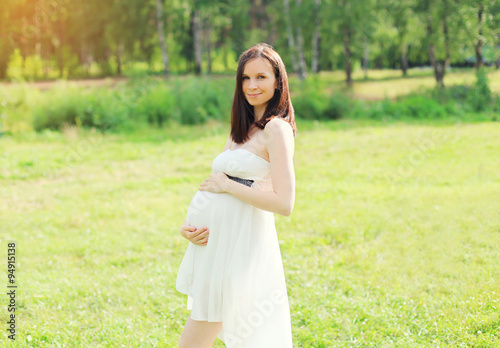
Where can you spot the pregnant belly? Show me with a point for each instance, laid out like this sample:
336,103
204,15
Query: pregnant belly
208,206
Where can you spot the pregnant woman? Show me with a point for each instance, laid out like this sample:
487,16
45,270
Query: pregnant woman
232,270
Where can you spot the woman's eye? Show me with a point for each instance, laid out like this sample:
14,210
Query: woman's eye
258,77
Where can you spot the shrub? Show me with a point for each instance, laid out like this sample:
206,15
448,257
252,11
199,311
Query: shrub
107,109
101,108
157,106
413,106
60,106
200,99
479,97
338,106
312,102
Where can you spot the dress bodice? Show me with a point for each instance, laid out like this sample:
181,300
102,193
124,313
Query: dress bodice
244,164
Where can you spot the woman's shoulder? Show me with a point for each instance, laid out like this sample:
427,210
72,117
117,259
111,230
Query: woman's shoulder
279,125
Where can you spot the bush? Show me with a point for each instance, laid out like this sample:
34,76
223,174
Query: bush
148,101
338,106
200,99
60,106
479,97
158,106
101,108
107,109
415,106
315,103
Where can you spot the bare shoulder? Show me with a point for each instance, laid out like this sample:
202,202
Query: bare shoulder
279,127
279,136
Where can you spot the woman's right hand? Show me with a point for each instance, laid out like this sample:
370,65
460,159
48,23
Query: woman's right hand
194,235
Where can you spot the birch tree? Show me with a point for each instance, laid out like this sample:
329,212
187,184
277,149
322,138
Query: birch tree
161,36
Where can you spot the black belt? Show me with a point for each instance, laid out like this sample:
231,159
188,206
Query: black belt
246,182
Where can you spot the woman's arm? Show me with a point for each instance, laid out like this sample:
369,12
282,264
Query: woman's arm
280,145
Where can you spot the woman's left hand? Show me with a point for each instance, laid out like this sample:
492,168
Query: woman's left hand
216,183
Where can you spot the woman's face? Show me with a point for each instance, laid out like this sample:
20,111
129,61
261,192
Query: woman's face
259,82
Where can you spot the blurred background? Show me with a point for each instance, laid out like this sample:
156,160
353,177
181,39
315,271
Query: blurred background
47,39
367,48
370,49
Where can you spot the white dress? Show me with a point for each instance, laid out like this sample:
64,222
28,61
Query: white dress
238,277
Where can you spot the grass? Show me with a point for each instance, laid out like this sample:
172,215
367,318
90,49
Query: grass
389,83
393,241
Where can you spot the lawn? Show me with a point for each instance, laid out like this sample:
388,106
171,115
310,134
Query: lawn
389,83
394,240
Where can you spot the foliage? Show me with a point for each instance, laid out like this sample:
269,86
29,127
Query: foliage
49,40
314,102
103,109
415,106
157,106
479,97
185,101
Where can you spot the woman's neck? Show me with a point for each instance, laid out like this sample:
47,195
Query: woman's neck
258,112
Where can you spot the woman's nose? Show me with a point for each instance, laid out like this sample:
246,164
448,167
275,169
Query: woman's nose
252,84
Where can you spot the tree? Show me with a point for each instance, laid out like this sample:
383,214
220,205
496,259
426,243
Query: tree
161,36
400,13
316,37
436,15
353,19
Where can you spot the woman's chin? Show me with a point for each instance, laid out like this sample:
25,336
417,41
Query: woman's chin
254,103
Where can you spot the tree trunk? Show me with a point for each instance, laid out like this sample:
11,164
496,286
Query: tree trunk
38,44
4,58
208,43
438,68
291,40
479,44
119,53
316,35
404,50
300,48
366,56
161,36
60,44
225,56
347,53
198,45
404,60
271,37
446,35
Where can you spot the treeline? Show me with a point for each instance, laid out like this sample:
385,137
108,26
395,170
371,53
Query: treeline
69,38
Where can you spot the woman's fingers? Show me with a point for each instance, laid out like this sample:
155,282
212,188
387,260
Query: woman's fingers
203,233
196,236
200,236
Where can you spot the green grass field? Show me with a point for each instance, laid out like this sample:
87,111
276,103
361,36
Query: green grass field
394,240
389,83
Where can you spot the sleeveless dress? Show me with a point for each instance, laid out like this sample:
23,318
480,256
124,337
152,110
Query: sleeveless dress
238,277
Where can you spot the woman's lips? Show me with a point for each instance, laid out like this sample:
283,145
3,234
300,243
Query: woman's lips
254,95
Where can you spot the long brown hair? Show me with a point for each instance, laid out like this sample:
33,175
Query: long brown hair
280,105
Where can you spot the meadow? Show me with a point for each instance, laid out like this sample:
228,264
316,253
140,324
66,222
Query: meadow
394,240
